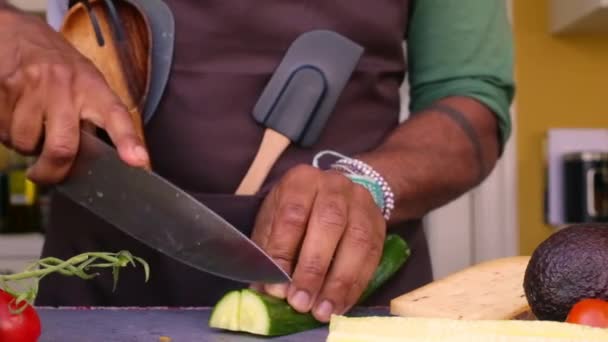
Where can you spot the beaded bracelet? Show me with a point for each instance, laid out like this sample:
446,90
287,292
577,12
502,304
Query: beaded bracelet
363,174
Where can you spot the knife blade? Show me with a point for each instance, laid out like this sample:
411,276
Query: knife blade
159,214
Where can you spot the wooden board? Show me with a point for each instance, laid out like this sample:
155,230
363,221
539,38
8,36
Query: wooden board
489,290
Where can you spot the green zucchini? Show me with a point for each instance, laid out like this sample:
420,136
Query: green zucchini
260,314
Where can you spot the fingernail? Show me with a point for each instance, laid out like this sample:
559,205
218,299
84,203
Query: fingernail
140,153
324,311
300,301
277,290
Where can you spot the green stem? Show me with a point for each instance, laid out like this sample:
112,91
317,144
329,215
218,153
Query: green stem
66,272
77,266
42,272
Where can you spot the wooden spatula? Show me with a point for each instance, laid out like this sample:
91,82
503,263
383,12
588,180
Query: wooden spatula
116,37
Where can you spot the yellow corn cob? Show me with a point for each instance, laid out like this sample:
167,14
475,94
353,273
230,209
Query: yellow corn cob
402,329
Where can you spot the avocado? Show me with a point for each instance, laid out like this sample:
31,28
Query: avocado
572,264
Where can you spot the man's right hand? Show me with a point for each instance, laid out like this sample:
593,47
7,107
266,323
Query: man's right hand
47,90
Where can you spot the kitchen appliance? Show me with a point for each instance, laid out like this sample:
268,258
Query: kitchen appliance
586,186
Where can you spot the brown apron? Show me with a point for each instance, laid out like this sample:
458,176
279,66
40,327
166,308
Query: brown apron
203,137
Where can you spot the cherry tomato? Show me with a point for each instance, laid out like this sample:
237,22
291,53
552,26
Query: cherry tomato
20,327
592,312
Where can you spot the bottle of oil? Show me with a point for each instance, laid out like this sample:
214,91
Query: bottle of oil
23,211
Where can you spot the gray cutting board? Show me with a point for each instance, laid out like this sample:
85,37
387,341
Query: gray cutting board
148,325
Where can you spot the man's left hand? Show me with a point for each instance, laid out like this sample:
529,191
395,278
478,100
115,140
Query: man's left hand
328,233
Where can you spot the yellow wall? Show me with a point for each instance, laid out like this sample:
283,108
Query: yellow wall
563,82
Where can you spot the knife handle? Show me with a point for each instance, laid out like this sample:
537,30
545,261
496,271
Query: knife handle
272,146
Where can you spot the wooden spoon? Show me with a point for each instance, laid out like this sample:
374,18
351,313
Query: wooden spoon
124,55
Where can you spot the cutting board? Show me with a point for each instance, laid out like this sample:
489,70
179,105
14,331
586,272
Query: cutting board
149,325
489,290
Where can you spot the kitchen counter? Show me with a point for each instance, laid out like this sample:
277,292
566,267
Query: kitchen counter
150,325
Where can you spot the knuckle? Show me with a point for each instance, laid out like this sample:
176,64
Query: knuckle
282,255
293,214
86,80
342,283
361,235
88,77
116,112
13,81
333,215
108,116
62,151
22,142
61,71
313,267
33,71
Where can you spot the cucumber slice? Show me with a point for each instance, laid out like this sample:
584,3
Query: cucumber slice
254,317
264,315
260,314
226,312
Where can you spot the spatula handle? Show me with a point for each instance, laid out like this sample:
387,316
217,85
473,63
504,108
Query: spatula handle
272,146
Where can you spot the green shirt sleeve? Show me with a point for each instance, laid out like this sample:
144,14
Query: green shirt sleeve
462,48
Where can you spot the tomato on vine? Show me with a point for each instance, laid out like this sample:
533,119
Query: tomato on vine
19,321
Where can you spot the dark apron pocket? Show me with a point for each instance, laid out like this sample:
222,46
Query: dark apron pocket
240,211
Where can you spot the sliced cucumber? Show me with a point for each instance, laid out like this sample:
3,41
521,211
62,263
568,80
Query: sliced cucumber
226,312
264,315
253,314
260,314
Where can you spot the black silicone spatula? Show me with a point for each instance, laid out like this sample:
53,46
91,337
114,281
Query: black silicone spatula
300,97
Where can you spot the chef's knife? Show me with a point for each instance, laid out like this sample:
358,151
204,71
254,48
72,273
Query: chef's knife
162,216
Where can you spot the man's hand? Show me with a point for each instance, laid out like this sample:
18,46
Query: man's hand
328,233
47,88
